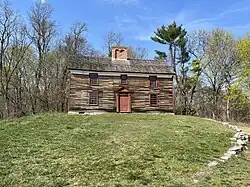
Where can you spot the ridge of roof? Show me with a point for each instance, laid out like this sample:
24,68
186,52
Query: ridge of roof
130,65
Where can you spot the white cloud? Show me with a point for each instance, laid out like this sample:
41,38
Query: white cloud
143,37
42,1
142,26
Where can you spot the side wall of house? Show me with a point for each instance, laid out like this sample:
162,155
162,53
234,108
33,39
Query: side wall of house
107,87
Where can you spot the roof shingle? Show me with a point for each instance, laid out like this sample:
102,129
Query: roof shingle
131,65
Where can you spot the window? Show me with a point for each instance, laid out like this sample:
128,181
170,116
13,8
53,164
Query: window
93,79
124,79
152,82
93,98
153,99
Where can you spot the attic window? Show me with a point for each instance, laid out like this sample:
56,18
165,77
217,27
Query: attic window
93,79
124,79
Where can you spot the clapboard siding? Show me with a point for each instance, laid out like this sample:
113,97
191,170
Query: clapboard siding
107,87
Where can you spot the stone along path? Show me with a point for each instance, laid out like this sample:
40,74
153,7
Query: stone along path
239,144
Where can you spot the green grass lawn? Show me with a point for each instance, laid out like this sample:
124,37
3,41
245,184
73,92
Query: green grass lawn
111,150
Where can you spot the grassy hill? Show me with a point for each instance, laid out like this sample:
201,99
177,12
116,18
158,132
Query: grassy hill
112,150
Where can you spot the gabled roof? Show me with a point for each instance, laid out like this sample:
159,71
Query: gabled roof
131,65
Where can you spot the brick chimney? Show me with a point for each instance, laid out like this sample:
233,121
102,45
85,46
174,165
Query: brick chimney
119,53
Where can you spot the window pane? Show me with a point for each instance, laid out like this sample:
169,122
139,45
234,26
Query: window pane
153,78
93,81
93,98
124,79
153,100
152,84
93,78
93,75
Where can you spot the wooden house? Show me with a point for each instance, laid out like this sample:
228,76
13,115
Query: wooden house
120,84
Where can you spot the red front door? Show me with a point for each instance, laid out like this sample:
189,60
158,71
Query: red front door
124,102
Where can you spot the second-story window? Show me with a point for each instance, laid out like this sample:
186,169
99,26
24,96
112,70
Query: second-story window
124,79
152,82
93,79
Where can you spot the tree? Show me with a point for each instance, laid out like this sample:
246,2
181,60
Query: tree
243,72
13,47
43,31
221,59
175,37
110,40
184,84
137,52
239,92
197,44
171,36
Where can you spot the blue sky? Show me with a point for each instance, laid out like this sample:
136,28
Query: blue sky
137,19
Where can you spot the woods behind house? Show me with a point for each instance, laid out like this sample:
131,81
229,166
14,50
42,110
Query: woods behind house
212,68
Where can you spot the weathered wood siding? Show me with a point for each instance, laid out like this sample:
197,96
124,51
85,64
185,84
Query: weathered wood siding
108,85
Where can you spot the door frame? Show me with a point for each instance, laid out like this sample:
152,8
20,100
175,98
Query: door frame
121,91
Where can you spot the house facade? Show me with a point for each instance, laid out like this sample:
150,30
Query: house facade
120,84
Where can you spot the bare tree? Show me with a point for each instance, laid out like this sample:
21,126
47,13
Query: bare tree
221,60
13,37
112,39
197,44
43,31
138,53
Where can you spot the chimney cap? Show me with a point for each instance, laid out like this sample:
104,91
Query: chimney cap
120,47
120,53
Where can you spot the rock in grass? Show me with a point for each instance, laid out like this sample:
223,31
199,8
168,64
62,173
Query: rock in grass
237,135
231,152
225,123
241,142
236,148
213,164
225,157
233,139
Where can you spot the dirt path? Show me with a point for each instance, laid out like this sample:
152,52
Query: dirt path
246,130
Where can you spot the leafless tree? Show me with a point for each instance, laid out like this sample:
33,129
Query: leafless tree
221,59
112,39
43,30
13,37
197,43
138,52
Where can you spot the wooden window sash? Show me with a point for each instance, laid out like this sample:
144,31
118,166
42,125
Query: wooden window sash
124,79
153,100
151,80
94,98
93,79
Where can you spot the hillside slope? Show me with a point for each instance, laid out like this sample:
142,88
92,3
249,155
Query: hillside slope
107,150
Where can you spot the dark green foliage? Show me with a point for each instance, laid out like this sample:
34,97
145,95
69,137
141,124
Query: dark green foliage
161,55
167,35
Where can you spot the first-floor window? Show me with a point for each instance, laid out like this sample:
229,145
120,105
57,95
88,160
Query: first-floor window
93,98
153,99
